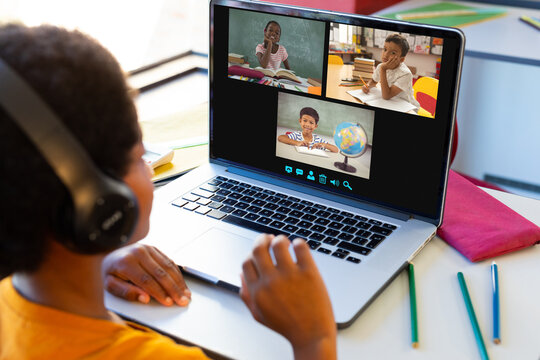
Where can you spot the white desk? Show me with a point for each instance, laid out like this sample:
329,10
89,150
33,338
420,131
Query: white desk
497,109
217,319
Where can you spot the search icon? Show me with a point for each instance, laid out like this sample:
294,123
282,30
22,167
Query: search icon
346,184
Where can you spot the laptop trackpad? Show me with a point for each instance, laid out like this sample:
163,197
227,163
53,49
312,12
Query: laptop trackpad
217,256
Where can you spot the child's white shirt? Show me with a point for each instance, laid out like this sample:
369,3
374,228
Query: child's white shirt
400,77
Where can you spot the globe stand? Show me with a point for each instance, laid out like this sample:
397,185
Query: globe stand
360,137
345,165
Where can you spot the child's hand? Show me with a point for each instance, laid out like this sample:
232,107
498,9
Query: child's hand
365,89
391,64
290,297
302,143
138,272
269,41
319,146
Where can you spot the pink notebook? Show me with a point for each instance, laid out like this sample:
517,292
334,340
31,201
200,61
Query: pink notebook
479,226
242,71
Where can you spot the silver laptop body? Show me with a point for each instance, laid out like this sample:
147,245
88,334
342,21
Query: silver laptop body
187,224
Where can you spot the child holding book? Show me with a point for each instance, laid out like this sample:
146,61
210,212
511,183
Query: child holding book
51,297
392,73
309,121
270,53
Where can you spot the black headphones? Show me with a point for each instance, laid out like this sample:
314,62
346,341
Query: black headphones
105,209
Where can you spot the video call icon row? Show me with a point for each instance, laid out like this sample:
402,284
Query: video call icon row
322,178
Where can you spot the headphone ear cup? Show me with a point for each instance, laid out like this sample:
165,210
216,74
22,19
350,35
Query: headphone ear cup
103,225
65,221
108,220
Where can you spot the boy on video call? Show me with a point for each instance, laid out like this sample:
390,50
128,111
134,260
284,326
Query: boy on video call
394,76
51,291
309,120
270,53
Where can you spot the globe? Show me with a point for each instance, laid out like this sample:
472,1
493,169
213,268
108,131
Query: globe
351,139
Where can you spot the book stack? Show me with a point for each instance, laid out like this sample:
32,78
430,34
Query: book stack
236,58
363,68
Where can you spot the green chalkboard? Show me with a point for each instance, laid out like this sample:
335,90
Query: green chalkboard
330,114
303,40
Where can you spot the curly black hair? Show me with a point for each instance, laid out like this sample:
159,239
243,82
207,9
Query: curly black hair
400,41
85,86
272,22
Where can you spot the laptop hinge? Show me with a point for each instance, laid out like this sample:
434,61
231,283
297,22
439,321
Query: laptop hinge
274,180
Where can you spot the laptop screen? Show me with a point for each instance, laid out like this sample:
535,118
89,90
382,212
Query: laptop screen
357,106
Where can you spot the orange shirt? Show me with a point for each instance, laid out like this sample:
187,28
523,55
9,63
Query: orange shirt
32,331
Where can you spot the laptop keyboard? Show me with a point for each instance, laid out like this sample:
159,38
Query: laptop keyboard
327,230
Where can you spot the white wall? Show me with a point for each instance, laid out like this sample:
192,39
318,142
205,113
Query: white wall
499,120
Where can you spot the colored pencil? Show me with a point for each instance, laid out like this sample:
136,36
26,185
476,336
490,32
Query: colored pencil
412,297
297,88
445,13
534,22
350,85
496,310
472,317
363,82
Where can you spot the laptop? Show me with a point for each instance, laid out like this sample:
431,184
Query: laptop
369,206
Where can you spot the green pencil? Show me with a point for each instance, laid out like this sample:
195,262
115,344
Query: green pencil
472,317
414,317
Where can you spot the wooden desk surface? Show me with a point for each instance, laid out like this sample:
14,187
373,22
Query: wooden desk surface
335,74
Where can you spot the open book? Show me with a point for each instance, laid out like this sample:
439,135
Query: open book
374,98
280,73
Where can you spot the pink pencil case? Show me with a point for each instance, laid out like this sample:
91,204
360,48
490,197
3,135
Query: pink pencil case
479,226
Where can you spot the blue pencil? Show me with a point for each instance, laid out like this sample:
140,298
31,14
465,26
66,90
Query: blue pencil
496,308
472,317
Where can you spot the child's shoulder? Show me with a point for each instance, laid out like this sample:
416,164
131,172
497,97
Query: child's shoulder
402,68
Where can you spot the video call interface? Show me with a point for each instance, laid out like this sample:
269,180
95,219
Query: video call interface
340,107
